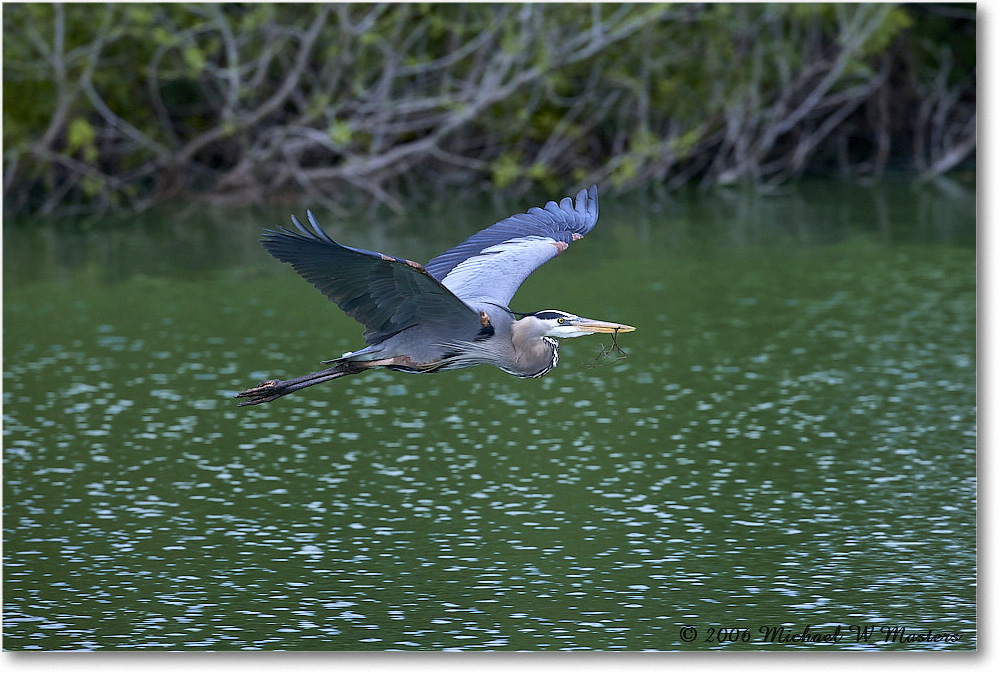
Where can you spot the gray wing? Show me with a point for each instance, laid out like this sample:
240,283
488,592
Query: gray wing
492,264
385,294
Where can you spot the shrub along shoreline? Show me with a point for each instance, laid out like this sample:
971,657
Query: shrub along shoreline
117,107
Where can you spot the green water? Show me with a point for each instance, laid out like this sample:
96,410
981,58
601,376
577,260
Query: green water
788,449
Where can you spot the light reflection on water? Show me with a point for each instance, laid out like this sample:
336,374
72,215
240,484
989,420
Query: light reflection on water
790,443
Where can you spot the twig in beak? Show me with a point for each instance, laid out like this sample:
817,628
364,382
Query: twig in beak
605,351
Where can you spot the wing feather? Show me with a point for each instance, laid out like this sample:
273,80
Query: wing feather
492,264
385,294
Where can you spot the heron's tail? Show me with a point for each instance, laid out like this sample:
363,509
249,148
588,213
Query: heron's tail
269,390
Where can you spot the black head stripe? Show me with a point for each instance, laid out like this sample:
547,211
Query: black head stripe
551,314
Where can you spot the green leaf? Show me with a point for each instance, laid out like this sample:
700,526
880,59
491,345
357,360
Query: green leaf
80,136
506,169
92,186
340,132
195,59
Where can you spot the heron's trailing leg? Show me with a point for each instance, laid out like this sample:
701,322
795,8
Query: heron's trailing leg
269,390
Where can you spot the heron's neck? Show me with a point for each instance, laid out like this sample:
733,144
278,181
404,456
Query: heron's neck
536,354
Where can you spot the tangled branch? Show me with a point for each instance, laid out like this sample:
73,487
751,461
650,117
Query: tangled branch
379,104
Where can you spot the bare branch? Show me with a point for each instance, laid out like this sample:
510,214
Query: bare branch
249,119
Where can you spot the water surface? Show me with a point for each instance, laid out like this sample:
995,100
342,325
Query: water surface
789,448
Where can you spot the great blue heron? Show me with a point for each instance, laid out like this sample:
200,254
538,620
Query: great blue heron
451,313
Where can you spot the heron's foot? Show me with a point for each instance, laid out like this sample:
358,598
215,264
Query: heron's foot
266,391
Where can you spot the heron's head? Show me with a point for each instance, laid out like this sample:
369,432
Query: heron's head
559,324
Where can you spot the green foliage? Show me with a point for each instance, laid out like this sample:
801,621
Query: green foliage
625,170
506,169
340,132
896,21
92,186
80,136
157,98
682,144
545,176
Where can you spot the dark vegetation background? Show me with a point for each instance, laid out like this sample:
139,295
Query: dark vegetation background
117,107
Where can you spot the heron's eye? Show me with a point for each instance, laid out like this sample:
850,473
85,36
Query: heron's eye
562,320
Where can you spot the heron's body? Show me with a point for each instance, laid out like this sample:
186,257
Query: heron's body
450,314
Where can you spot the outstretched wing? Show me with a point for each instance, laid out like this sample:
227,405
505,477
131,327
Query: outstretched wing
492,264
385,294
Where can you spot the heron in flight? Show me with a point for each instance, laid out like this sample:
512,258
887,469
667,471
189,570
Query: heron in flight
451,313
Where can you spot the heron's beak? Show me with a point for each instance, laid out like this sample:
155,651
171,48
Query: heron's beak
595,326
